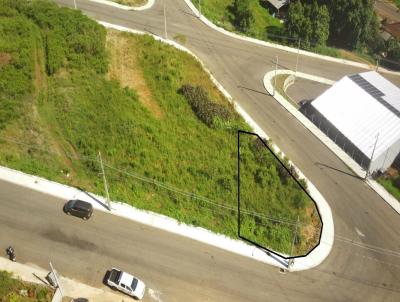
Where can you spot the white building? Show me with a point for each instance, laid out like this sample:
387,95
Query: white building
361,113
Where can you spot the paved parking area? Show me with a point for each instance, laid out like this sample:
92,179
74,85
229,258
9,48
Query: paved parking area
303,89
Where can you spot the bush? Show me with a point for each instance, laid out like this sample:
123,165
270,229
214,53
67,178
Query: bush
206,110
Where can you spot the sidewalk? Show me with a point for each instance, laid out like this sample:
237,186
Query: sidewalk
354,166
173,226
148,5
70,287
282,47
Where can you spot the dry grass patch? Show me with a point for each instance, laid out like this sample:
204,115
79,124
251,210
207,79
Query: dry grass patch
5,58
124,67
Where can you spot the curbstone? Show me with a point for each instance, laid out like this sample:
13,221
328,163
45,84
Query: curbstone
282,47
343,156
148,5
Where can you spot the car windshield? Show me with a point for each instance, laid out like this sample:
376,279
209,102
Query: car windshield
134,283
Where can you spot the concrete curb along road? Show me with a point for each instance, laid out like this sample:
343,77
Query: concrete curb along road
172,225
148,5
393,202
70,287
327,236
282,47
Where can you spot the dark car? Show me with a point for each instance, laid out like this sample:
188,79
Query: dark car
78,208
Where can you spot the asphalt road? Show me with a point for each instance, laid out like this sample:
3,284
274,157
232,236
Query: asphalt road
388,10
368,270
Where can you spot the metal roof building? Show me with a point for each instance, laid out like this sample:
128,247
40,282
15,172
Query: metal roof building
363,110
278,3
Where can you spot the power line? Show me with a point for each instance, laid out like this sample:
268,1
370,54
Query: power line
158,183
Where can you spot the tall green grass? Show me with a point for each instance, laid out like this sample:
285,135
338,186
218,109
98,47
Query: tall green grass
74,112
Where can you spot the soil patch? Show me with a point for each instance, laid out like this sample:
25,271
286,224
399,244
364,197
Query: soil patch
5,58
124,67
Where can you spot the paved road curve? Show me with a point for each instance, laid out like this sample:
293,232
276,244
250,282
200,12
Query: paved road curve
185,270
388,10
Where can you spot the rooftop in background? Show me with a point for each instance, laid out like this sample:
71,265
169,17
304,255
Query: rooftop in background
361,106
393,29
278,3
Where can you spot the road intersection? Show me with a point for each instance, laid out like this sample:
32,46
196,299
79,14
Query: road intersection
359,268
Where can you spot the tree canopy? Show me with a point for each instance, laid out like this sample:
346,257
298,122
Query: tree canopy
309,23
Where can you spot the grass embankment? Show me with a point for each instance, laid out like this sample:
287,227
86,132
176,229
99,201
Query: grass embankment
397,2
64,97
14,290
134,3
220,13
391,182
267,28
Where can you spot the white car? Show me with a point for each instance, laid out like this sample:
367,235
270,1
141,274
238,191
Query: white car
126,283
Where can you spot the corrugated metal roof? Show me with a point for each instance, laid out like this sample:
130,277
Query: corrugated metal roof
278,3
363,108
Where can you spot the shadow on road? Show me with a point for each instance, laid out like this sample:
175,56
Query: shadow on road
94,198
253,90
337,170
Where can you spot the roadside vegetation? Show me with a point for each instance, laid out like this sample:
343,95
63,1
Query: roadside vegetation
243,16
15,290
338,28
391,182
168,137
134,3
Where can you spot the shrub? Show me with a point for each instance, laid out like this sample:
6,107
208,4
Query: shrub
206,110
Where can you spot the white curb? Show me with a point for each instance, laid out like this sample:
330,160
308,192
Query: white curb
282,47
172,225
148,5
70,287
343,156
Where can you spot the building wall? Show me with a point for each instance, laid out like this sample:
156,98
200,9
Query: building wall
386,159
381,162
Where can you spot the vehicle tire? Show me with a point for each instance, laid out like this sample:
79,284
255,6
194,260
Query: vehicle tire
84,218
68,213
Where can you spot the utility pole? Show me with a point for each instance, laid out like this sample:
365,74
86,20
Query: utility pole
291,260
377,65
276,68
54,274
165,21
199,8
372,157
75,4
105,182
297,59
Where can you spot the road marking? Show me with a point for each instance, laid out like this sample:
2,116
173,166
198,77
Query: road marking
359,233
155,295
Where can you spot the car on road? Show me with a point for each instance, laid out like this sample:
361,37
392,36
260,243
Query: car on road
79,208
126,283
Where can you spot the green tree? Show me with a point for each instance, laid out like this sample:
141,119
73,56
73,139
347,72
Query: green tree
308,22
353,22
320,23
393,54
243,15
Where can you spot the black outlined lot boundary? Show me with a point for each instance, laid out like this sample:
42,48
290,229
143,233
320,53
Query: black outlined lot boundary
239,220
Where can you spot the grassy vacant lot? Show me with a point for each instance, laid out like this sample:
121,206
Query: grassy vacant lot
391,182
267,28
131,2
397,2
220,13
13,290
69,88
